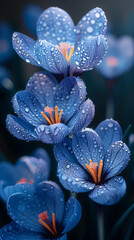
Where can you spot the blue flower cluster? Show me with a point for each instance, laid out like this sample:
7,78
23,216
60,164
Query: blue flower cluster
57,112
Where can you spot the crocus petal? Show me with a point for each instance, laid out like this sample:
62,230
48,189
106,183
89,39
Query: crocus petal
67,97
43,86
42,172
63,151
7,172
110,132
109,193
24,46
116,159
73,177
88,54
63,237
51,58
87,145
20,128
27,106
25,209
83,117
72,214
13,231
55,26
82,88
53,133
93,23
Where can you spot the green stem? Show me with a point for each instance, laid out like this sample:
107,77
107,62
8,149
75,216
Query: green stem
100,223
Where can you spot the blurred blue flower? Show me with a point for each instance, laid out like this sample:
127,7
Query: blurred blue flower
6,49
119,57
48,111
28,169
61,47
5,79
30,15
41,214
92,160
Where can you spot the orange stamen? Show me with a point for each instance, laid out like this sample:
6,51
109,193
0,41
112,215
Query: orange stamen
56,114
24,180
59,119
49,111
43,219
91,172
46,226
54,223
63,48
45,116
100,170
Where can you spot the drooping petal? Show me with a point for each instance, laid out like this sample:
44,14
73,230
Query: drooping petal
20,128
67,97
87,145
27,106
73,177
116,159
92,24
82,88
110,192
83,117
42,172
88,54
53,133
110,132
43,86
63,151
13,231
51,58
55,26
24,46
72,214
25,209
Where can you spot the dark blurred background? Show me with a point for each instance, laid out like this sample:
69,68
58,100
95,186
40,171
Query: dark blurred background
120,15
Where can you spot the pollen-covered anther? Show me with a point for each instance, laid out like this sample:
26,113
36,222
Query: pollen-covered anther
24,180
51,119
95,170
66,50
44,220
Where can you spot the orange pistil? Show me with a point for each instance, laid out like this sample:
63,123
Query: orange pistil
51,120
24,180
64,48
44,220
92,168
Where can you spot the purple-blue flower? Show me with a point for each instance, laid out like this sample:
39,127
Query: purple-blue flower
48,111
91,161
28,169
41,214
119,57
61,47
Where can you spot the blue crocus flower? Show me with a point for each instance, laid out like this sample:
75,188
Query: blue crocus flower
28,169
92,160
61,47
41,214
119,57
48,111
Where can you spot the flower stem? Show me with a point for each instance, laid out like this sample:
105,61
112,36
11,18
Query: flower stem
100,223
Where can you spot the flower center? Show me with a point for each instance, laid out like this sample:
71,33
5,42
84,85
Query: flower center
44,220
112,61
51,119
95,170
24,180
66,50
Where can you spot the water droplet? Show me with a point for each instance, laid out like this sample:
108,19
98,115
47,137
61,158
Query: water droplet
90,29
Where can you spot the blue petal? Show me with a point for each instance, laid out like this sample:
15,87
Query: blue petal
110,192
72,214
51,58
24,46
110,132
43,86
24,209
19,188
63,237
73,177
53,133
82,88
13,231
63,151
27,106
55,26
42,172
7,172
83,117
88,54
87,145
116,159
92,24
3,184
67,97
20,128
